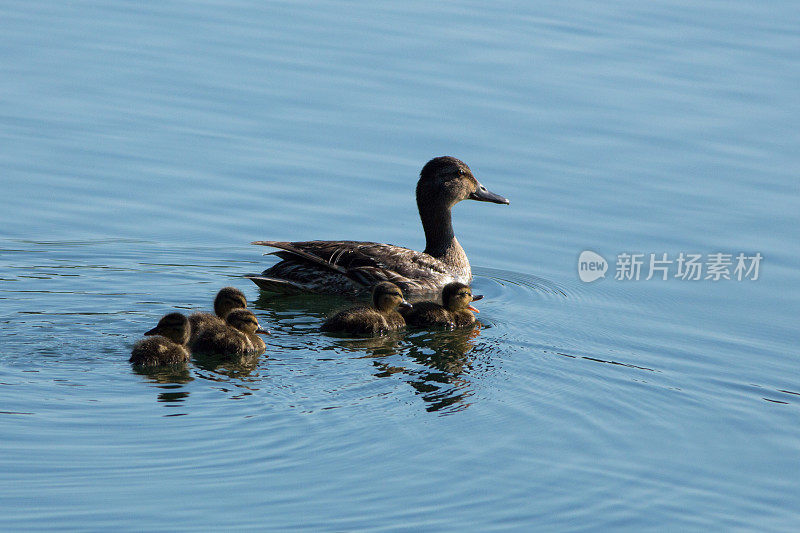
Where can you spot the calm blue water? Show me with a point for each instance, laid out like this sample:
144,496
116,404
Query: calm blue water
142,147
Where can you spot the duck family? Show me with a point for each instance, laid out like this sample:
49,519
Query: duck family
352,268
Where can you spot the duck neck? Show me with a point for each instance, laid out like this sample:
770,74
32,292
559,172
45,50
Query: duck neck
440,241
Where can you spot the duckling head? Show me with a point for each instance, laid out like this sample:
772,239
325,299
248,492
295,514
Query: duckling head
387,296
228,299
173,326
244,321
457,296
445,181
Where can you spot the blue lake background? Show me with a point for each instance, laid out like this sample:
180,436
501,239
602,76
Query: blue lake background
143,146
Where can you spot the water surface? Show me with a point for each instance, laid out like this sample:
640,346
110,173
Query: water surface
143,147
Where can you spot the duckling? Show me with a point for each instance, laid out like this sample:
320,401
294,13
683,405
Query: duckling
238,336
166,345
350,267
455,313
376,320
227,299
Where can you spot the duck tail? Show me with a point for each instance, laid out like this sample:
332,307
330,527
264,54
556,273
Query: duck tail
283,286
293,250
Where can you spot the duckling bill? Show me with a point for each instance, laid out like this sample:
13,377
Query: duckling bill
350,267
166,343
377,319
456,311
237,337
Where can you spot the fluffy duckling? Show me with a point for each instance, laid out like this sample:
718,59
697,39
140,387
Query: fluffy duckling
227,299
166,344
238,336
377,319
455,313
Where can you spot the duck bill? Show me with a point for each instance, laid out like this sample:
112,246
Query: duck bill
153,331
405,305
477,297
482,194
262,331
472,309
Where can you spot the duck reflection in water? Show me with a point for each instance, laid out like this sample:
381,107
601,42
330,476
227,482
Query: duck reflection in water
445,360
165,375
226,367
437,364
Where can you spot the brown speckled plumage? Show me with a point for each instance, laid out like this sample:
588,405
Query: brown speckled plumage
227,299
237,336
377,319
351,267
454,313
165,344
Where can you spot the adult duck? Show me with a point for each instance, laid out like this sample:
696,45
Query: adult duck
352,267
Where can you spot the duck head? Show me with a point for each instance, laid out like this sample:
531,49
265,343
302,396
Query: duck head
173,326
457,296
445,181
387,296
228,299
244,321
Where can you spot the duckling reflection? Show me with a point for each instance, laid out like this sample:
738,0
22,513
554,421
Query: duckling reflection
227,299
378,319
237,337
445,362
371,347
165,375
166,345
444,351
225,368
295,316
456,311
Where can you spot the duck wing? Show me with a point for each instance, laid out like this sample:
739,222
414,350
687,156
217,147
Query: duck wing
362,263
